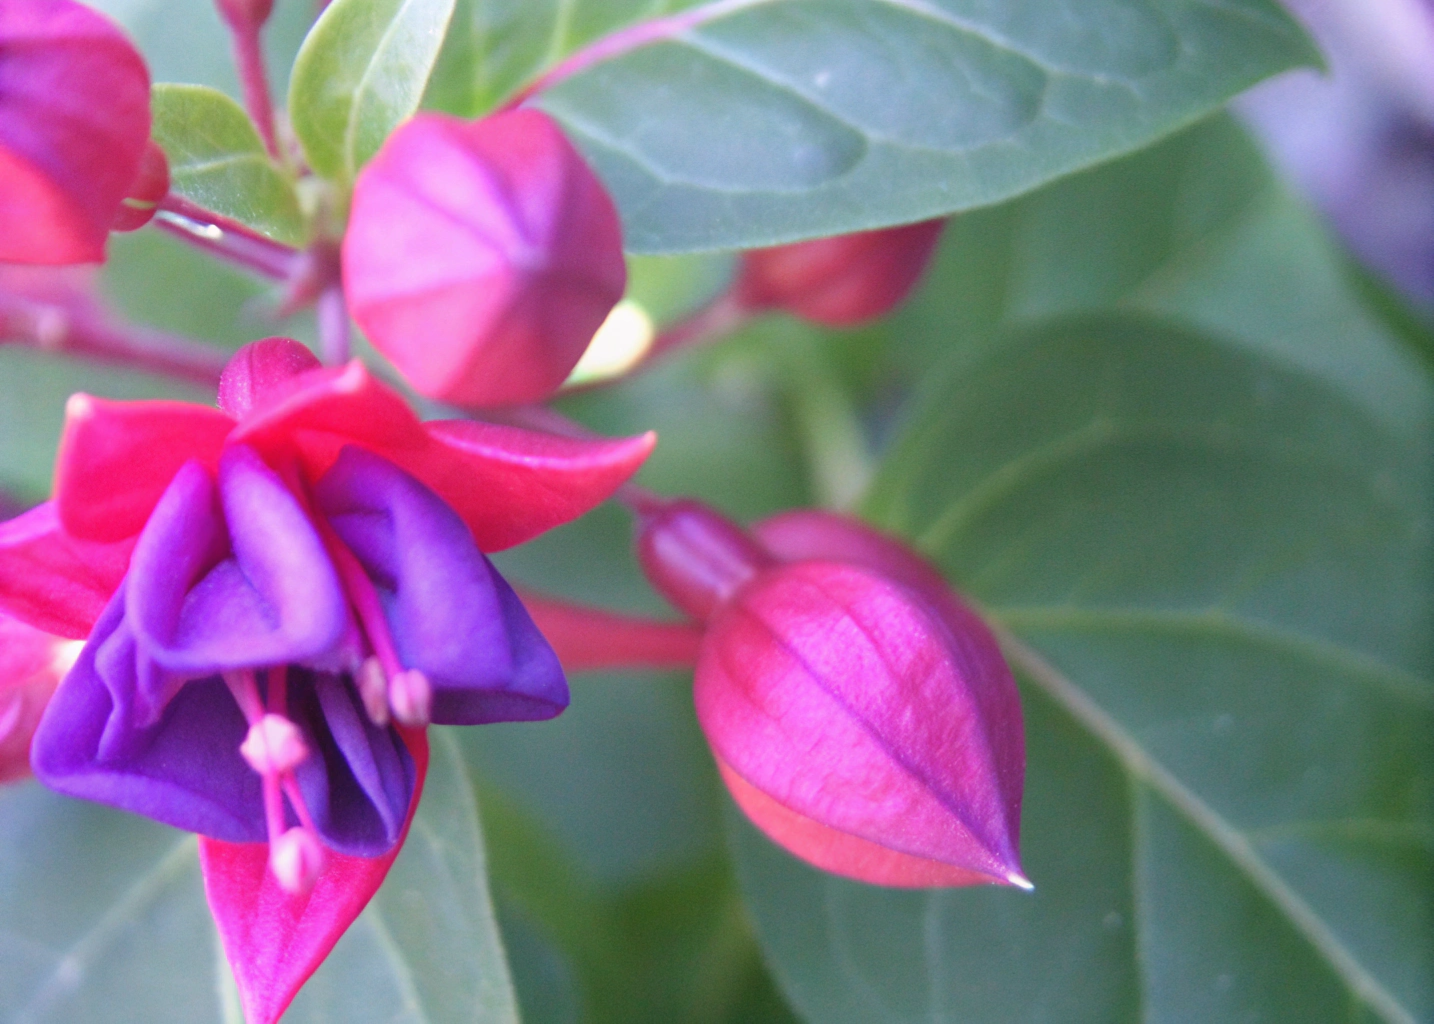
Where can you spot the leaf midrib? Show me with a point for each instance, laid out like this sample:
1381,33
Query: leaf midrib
1234,844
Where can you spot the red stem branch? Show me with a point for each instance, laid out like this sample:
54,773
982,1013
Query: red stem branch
254,80
225,238
594,638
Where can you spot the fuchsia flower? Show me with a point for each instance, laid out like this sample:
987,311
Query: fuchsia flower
839,281
860,713
482,256
74,121
278,593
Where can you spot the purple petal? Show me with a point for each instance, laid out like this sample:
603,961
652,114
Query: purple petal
233,576
452,616
184,770
359,788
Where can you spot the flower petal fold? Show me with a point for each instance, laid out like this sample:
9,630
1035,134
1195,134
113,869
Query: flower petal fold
452,616
509,484
53,581
116,459
232,576
275,940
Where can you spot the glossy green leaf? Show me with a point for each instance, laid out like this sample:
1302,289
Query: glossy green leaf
102,917
1216,565
782,119
360,73
216,159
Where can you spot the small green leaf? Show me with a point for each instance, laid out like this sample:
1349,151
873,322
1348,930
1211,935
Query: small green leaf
784,119
217,160
359,75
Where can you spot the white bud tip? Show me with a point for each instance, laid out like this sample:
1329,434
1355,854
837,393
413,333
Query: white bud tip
274,746
296,858
373,690
1020,881
411,697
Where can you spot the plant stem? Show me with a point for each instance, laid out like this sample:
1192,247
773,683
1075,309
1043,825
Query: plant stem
624,41
56,328
254,80
226,239
333,317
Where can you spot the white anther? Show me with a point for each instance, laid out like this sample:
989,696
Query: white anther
274,746
411,697
296,858
373,689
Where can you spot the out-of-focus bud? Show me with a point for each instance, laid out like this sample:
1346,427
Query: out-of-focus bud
839,281
482,256
258,370
31,664
860,713
249,14
74,122
150,186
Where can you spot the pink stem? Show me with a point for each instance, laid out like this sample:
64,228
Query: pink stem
719,318
254,80
51,327
228,239
333,315
624,41
593,638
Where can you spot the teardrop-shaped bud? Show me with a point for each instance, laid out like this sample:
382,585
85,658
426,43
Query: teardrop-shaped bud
861,714
74,121
839,281
258,369
482,256
150,186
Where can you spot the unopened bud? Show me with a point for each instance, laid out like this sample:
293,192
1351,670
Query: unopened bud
149,188
274,745
696,557
839,281
249,14
373,690
74,122
296,858
482,256
260,369
411,696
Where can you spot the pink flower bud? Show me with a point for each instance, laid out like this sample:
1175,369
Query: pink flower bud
247,14
296,858
274,745
695,557
259,370
74,121
150,186
482,256
31,664
839,281
861,714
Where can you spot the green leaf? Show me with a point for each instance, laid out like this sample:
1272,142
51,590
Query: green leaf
825,116
102,917
1215,564
217,160
359,75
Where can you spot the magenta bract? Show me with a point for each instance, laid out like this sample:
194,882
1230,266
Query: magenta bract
482,256
74,121
840,281
861,714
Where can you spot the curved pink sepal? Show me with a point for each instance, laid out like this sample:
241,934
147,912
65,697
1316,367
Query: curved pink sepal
593,638
275,940
116,459
509,484
53,581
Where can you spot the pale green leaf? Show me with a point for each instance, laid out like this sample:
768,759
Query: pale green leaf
1216,567
103,918
216,159
359,75
783,119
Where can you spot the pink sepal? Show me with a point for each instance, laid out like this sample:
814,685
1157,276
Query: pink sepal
274,940
53,581
116,459
592,638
